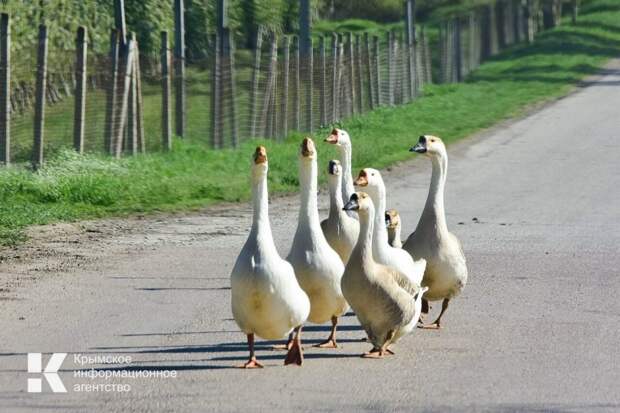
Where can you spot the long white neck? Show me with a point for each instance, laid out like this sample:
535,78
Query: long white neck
261,229
380,237
363,247
309,212
394,237
347,177
434,208
335,196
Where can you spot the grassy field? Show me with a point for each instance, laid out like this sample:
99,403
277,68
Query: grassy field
73,187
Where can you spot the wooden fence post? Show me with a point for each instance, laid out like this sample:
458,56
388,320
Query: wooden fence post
255,80
131,131
111,101
179,65
359,78
370,80
270,88
426,54
351,64
166,127
139,102
81,47
457,50
335,94
285,82
121,120
5,89
377,62
297,89
229,65
410,45
322,82
309,87
390,66
216,130
39,109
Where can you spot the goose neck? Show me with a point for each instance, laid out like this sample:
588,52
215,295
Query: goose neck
347,177
309,213
261,228
380,238
335,199
434,208
363,248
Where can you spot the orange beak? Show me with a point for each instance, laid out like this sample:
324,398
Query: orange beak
333,138
260,156
362,179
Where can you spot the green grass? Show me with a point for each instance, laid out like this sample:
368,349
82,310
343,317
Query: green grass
73,187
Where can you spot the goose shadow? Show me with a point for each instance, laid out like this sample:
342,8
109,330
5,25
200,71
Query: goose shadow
157,367
181,288
282,356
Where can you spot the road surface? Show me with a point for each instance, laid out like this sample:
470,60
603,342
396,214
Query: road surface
535,203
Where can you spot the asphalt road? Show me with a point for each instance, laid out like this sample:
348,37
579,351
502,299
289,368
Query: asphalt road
535,202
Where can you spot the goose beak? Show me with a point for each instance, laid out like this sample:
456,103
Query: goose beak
419,147
362,179
333,137
352,205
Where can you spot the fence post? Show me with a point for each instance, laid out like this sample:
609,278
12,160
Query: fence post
270,88
179,65
112,92
426,53
335,94
297,89
139,102
377,61
216,129
360,80
457,49
166,128
123,108
5,89
370,81
390,66
352,94
322,82
81,47
309,88
255,80
285,81
575,11
132,104
529,20
412,79
229,65
39,109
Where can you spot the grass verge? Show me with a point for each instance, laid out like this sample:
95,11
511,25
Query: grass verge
73,187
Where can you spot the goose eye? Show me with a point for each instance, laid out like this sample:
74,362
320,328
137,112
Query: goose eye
432,140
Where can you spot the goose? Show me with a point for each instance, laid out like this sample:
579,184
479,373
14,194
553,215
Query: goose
317,266
267,300
339,228
446,269
372,182
393,224
342,140
385,302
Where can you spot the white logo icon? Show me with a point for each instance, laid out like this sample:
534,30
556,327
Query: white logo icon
50,373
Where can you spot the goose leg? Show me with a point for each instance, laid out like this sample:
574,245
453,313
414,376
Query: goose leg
331,340
252,362
437,324
424,312
295,354
286,346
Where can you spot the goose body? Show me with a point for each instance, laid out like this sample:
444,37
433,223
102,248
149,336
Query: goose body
267,299
394,226
386,303
446,270
317,266
339,228
383,253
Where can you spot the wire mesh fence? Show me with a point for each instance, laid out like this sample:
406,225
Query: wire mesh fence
124,103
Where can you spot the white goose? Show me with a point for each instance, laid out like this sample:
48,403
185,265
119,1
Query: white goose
339,228
317,266
266,298
342,140
386,303
446,269
394,226
399,259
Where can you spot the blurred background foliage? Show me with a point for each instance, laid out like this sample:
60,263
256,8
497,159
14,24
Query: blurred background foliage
149,17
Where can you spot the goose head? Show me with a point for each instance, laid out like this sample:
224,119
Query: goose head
429,145
260,165
392,219
360,202
334,169
307,150
339,137
370,179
